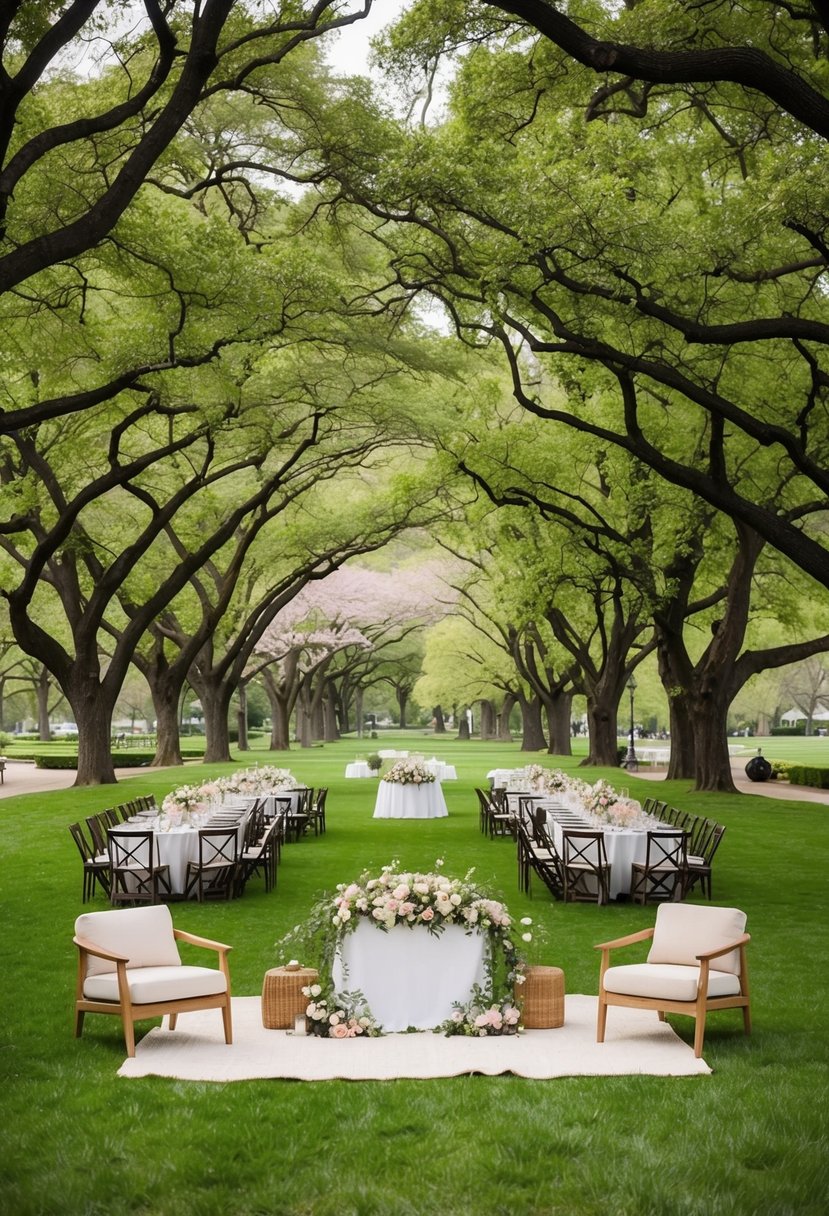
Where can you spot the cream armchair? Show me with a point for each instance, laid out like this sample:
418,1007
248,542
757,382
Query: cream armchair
129,965
696,963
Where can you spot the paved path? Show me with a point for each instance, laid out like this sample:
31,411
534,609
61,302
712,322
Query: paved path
770,789
23,777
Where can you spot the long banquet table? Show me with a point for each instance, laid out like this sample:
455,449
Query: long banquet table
176,846
410,977
396,801
623,846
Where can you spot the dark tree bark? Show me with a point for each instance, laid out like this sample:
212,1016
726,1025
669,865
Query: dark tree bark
463,725
504,731
532,731
439,726
488,719
558,723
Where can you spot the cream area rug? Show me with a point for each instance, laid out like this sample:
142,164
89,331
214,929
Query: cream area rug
637,1043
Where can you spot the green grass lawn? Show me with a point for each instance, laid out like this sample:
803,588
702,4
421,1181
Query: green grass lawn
751,1138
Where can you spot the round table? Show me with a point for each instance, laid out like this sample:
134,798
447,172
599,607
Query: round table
396,801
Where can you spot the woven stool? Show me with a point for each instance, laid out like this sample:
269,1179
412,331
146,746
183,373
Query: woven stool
282,997
542,998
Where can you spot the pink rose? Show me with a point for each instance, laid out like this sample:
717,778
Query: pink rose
427,914
339,1031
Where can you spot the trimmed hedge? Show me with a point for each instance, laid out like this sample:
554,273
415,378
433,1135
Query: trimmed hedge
121,759
789,730
803,774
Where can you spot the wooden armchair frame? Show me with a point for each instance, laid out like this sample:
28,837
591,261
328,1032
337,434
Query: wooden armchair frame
697,1008
131,1013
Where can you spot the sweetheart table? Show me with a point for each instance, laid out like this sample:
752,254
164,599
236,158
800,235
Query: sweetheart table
410,977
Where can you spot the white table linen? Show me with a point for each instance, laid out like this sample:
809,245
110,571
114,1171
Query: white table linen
410,977
359,768
177,846
623,847
396,801
442,771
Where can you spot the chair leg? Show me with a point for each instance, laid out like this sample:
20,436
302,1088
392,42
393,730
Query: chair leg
699,1034
129,1033
228,1025
602,1020
79,1013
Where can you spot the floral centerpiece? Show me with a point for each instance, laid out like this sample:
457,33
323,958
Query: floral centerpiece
183,802
548,780
262,779
599,798
409,772
434,900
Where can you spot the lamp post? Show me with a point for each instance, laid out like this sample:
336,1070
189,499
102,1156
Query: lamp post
630,762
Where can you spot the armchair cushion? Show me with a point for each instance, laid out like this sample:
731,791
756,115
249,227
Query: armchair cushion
145,935
683,931
666,981
150,985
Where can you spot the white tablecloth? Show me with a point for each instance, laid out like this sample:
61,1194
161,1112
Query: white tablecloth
623,847
176,847
395,801
408,976
360,769
443,772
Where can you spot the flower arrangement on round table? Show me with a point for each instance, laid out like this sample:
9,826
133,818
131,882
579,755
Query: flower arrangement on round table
409,772
433,901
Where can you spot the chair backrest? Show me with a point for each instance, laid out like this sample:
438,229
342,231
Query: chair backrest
666,849
81,841
682,931
97,831
218,846
585,848
322,794
130,849
713,843
145,935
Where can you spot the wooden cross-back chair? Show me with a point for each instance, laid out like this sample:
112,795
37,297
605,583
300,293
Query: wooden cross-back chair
662,874
585,868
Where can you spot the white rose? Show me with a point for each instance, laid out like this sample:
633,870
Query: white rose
526,937
526,920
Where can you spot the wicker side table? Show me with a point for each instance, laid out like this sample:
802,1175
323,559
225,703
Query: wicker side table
282,997
542,997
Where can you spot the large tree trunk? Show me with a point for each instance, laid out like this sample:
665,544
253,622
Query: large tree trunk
93,715
281,694
558,708
504,733
682,761
603,732
713,767
488,720
166,695
463,725
532,733
437,719
215,696
331,730
402,701
358,711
